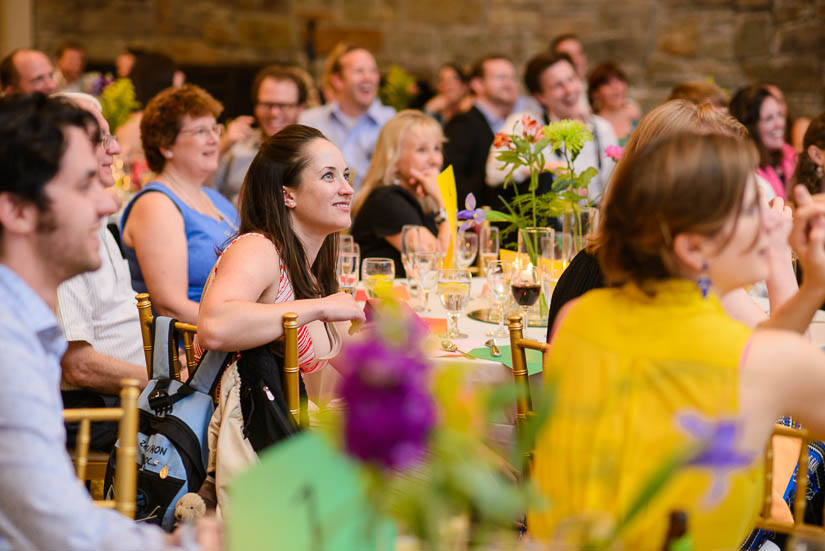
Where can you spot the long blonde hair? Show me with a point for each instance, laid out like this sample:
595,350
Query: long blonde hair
388,152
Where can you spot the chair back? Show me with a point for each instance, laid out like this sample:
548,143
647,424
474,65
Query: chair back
186,330
798,527
518,347
290,368
125,483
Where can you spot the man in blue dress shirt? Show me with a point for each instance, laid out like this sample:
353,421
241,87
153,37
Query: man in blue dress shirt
352,121
51,205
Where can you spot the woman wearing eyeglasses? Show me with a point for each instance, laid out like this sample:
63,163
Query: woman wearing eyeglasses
174,227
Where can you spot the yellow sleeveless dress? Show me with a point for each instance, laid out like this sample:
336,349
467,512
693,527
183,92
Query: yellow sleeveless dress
624,365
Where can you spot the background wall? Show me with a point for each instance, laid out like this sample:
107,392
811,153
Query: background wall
658,42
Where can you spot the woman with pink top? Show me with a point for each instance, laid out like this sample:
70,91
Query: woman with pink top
762,115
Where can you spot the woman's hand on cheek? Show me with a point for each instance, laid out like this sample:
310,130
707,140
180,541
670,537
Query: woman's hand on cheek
808,236
426,182
778,224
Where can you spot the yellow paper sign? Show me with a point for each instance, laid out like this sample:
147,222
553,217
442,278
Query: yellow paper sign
446,184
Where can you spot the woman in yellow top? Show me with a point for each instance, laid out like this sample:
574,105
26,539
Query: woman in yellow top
627,361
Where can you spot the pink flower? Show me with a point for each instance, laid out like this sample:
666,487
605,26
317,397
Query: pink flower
532,129
614,152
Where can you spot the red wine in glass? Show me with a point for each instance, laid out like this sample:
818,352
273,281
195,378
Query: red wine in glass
526,294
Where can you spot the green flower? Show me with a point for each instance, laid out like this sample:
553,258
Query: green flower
568,134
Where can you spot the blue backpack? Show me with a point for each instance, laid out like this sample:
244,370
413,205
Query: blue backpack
173,447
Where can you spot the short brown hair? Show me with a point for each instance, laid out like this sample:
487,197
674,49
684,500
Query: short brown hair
540,63
601,75
163,117
699,92
682,183
477,70
278,72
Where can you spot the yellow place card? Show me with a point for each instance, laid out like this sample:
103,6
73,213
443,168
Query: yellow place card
446,184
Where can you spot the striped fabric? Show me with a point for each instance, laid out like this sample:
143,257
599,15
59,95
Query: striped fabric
306,353
99,307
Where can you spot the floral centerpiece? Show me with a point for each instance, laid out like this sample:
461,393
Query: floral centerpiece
419,435
399,88
522,152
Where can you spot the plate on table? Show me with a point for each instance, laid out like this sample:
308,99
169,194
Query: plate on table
487,315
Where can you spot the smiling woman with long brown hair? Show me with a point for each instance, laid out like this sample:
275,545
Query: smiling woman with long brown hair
294,201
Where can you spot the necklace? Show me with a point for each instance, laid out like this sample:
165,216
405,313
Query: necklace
185,193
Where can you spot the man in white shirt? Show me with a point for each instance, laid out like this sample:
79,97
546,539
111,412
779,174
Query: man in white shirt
552,80
97,313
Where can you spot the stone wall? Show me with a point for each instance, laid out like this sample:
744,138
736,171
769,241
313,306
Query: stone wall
658,42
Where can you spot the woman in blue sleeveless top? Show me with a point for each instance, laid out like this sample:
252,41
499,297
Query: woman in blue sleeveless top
173,229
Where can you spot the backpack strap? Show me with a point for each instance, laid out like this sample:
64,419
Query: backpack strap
161,401
163,347
209,369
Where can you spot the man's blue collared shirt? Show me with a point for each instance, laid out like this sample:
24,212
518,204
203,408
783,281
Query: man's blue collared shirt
356,142
42,504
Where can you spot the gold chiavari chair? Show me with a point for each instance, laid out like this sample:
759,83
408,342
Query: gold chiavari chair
125,484
186,330
524,403
798,528
290,369
290,365
518,345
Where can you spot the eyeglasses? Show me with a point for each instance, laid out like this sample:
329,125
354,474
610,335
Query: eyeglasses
108,141
203,131
268,105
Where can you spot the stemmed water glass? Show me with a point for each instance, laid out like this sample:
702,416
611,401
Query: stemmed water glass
488,245
466,247
377,274
425,270
454,294
498,281
347,271
525,284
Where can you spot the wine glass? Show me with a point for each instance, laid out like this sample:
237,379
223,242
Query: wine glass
498,281
488,245
466,247
525,284
347,271
425,269
410,240
345,242
377,275
454,294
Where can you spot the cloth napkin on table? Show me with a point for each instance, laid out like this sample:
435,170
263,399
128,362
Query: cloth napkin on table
533,358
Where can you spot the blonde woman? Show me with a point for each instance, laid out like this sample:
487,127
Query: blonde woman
400,188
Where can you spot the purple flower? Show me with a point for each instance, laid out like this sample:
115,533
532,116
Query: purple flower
390,412
716,450
471,215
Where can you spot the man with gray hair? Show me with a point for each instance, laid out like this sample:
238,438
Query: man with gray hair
97,312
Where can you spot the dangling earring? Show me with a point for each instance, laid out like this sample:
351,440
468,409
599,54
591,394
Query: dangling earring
820,172
704,280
